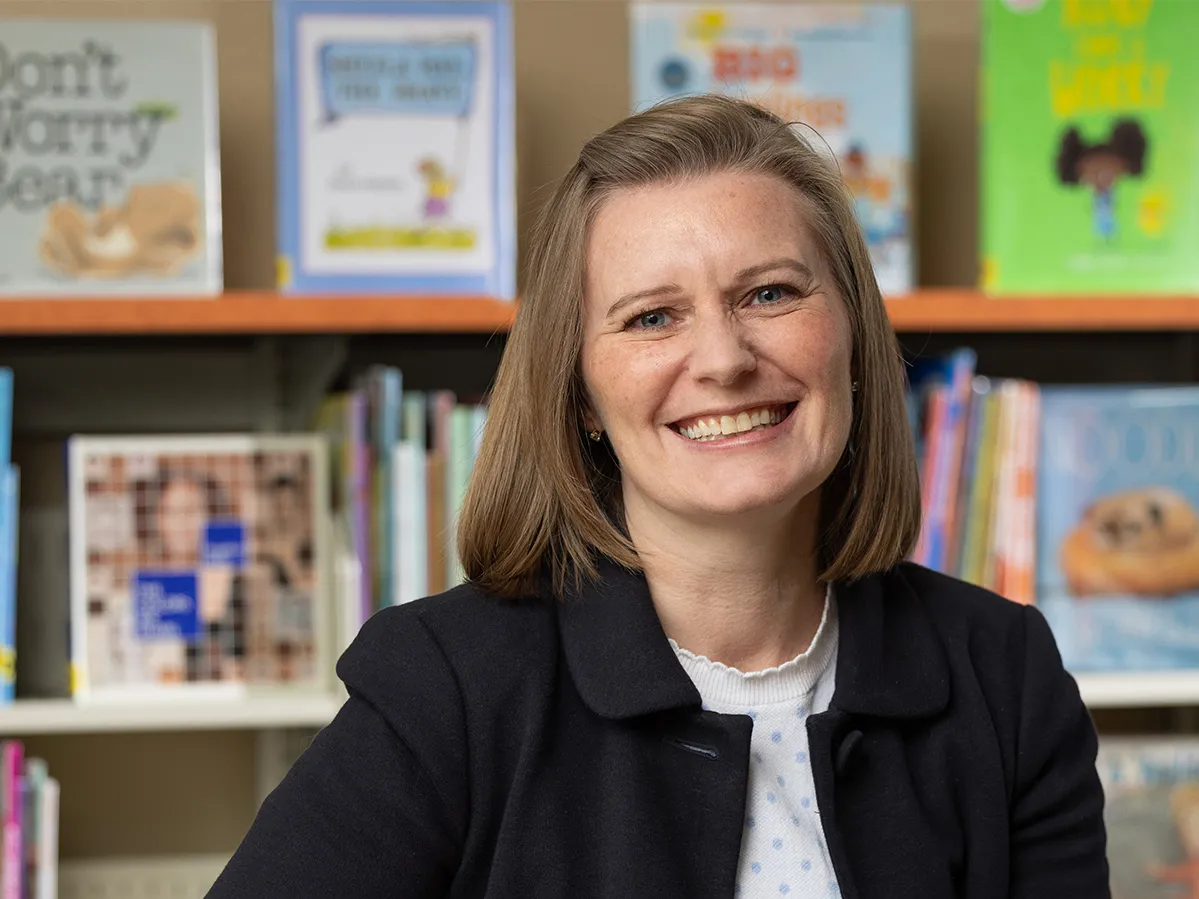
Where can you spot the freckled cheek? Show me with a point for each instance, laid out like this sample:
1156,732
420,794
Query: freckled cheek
628,384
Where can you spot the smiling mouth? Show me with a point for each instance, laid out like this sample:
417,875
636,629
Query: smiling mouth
710,428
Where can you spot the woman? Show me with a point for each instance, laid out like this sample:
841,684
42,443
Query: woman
691,661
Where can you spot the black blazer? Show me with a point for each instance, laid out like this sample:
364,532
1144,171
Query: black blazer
512,750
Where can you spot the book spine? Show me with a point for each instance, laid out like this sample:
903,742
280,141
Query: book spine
9,518
5,416
12,762
47,867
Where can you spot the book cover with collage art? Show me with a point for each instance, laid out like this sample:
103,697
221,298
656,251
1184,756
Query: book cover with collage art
197,565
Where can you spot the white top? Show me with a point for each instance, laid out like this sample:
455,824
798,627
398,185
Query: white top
783,850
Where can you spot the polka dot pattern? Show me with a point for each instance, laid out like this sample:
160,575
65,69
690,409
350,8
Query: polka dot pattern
783,850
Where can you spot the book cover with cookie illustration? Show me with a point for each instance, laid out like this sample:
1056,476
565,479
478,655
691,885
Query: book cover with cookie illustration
1151,811
1090,134
841,72
396,152
1118,526
109,166
198,566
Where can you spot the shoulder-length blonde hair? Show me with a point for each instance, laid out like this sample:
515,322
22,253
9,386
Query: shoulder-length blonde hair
543,500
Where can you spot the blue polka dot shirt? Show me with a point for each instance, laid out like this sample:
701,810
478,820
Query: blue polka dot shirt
783,850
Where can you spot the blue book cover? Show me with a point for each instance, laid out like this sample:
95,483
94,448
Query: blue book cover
1118,526
843,70
396,149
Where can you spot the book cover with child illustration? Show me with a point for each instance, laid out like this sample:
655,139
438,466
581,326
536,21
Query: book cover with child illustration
840,72
197,565
109,161
1118,526
396,154
1090,136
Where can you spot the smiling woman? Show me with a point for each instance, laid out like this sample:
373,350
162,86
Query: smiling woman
691,660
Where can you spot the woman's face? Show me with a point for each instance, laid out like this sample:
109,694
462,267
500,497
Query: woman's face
181,519
709,311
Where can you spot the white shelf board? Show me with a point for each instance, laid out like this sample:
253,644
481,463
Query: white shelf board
62,716
1132,690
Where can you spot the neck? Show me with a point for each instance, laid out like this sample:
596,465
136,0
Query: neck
743,593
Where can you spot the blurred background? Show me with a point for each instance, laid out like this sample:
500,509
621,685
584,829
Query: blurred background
257,261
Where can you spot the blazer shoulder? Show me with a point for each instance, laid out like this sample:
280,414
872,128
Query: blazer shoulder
465,635
954,603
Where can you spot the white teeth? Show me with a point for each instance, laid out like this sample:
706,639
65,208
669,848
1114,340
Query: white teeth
729,425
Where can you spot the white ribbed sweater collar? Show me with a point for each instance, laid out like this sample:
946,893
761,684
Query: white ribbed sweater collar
719,684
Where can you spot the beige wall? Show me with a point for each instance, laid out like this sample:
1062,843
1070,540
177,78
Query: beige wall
137,794
571,71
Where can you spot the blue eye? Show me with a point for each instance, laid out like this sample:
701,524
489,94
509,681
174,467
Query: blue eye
656,318
765,296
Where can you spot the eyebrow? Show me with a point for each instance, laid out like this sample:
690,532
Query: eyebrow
745,274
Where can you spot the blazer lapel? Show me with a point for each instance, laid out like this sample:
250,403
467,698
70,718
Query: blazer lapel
890,665
616,650
692,765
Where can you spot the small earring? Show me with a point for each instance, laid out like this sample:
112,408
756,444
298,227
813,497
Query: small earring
853,388
594,435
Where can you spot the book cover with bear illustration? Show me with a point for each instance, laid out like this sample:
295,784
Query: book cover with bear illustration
1118,526
1151,811
396,154
1090,115
840,72
109,161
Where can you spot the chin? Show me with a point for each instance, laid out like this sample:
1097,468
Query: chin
743,502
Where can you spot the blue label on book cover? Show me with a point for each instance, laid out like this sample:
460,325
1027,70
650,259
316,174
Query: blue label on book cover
225,543
165,605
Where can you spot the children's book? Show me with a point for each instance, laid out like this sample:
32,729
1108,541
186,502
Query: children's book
109,158
841,72
396,168
1151,812
198,566
1118,526
1090,134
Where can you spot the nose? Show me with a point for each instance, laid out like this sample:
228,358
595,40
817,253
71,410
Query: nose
721,350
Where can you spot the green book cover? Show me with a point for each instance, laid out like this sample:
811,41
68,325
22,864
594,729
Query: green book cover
1090,146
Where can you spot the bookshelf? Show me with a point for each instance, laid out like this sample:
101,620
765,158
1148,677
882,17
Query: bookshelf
248,312
133,827
62,716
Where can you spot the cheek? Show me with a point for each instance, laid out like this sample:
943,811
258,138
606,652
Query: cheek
625,382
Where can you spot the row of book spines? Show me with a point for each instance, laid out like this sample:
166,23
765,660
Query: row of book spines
29,804
978,476
402,461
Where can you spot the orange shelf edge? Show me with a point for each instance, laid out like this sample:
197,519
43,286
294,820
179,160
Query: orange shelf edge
962,310
252,312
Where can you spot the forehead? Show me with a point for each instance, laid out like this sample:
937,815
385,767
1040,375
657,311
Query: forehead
702,227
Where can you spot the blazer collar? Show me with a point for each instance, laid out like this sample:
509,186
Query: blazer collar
890,661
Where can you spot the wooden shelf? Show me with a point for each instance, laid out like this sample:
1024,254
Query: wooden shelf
967,311
62,716
263,312
252,312
1139,689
